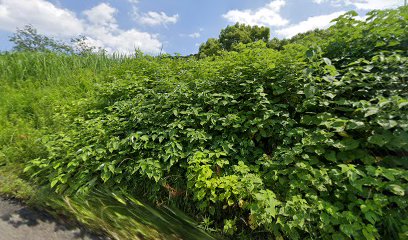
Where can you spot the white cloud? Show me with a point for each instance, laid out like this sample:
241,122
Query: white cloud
157,18
374,4
41,14
126,41
364,4
99,25
322,21
194,35
269,15
102,14
151,18
327,1
104,32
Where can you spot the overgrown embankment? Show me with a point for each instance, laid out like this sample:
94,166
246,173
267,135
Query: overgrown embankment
307,142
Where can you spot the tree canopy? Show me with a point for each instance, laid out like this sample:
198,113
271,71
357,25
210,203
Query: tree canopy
233,35
28,39
242,33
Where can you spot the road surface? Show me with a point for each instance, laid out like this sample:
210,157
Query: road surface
18,222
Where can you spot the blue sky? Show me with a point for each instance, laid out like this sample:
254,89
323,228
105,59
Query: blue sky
168,25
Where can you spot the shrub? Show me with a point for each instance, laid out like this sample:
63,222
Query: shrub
306,142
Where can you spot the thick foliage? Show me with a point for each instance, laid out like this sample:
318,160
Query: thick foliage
232,36
241,33
306,142
33,86
210,48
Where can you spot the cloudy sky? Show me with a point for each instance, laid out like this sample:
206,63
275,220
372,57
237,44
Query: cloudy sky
172,26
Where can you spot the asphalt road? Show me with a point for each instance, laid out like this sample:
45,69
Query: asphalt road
18,222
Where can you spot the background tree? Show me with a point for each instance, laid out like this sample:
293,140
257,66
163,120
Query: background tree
210,48
276,43
28,39
231,36
307,38
81,46
241,33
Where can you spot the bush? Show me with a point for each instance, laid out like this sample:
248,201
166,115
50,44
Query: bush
306,142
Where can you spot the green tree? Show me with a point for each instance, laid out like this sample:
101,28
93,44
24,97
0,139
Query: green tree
210,48
276,43
81,46
28,39
242,33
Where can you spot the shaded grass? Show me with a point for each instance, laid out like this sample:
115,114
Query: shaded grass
122,216
14,186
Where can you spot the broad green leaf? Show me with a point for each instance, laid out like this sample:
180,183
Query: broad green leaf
368,235
379,139
347,229
54,182
352,124
347,144
327,61
309,90
201,194
396,189
331,156
389,174
402,103
111,168
371,111
371,217
387,124
144,138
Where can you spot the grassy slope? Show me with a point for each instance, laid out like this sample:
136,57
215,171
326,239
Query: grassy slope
33,87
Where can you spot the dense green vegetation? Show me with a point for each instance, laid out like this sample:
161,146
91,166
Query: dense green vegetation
305,140
35,88
231,36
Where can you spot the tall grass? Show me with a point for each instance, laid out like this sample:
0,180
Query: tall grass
51,68
32,87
